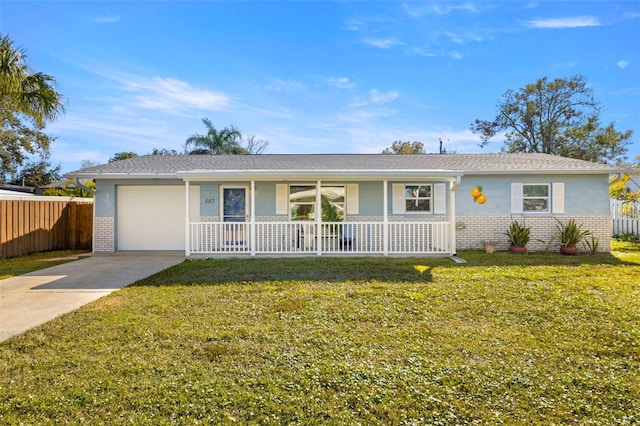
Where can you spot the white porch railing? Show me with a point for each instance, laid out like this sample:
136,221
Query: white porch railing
625,217
399,238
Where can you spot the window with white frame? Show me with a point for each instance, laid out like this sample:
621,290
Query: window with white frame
535,198
418,198
302,202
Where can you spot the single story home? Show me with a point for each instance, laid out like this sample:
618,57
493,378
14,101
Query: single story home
341,204
18,191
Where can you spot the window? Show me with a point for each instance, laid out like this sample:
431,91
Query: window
535,198
302,202
417,198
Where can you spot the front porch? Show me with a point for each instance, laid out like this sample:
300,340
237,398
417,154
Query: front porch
301,225
408,238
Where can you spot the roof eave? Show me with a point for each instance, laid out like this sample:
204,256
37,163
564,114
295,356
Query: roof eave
317,174
121,175
542,172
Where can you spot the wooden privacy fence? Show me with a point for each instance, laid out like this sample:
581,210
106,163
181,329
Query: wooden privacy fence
28,226
625,217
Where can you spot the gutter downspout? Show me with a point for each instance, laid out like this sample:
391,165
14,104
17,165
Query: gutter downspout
620,175
84,188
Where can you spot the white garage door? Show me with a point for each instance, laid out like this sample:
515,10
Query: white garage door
152,217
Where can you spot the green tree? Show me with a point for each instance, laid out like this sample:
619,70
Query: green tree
559,117
85,164
37,174
18,142
405,147
225,141
23,90
27,100
255,146
71,189
122,156
620,188
164,151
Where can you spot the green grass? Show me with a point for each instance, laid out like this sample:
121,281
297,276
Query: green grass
33,262
504,339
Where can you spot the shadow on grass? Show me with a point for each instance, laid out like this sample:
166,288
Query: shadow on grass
506,258
251,270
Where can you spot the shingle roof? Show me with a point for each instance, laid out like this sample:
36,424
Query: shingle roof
179,165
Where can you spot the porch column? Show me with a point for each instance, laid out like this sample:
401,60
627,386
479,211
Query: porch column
252,219
385,218
187,218
453,185
318,218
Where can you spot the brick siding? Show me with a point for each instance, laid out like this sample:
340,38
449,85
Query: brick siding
104,234
471,231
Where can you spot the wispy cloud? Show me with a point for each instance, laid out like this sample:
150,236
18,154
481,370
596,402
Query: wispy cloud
419,10
622,64
631,15
368,139
113,125
559,23
361,23
110,19
340,82
413,11
627,91
273,112
423,52
460,38
384,43
446,8
456,55
172,95
354,25
115,132
279,85
377,97
362,116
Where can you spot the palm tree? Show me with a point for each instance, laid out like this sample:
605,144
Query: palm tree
215,142
23,91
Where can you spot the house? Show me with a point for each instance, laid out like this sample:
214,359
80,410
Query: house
65,184
17,191
340,204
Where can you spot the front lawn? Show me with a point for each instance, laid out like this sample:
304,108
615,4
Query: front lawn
533,339
33,262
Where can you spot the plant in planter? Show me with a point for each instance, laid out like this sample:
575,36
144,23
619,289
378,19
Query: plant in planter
570,234
489,246
519,235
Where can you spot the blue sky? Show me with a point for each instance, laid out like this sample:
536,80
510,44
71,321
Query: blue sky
314,77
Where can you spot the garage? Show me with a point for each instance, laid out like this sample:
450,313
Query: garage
152,217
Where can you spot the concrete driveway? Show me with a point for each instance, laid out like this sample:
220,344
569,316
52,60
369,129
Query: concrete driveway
32,299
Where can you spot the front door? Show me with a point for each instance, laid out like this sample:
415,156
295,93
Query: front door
234,215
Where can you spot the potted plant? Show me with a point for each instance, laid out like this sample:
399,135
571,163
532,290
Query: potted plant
570,234
489,246
519,235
